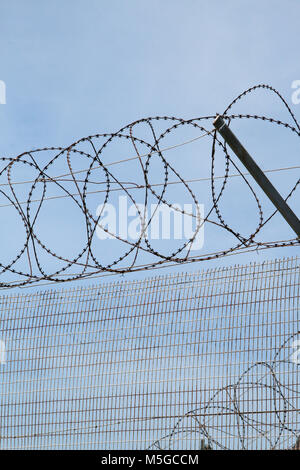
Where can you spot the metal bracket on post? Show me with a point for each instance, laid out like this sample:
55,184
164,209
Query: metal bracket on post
258,174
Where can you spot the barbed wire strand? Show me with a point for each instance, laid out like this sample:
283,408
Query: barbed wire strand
33,251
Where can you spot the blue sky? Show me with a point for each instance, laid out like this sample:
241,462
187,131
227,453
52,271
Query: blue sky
77,68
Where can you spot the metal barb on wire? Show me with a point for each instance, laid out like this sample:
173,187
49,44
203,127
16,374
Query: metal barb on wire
257,174
90,152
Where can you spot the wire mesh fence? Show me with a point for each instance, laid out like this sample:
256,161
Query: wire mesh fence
186,361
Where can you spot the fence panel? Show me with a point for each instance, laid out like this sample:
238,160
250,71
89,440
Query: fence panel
185,361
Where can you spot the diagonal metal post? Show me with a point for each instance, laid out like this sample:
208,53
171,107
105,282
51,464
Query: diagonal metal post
258,174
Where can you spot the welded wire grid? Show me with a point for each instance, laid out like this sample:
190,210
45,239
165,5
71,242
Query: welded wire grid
184,361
